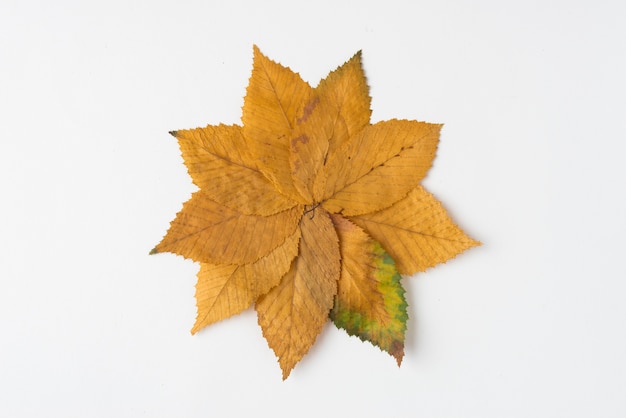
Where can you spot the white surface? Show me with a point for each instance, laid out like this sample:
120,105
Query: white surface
532,95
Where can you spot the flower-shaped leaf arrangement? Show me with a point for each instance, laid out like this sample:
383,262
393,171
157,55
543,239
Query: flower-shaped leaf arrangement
309,212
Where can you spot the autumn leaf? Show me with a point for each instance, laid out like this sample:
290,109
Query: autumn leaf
293,313
370,299
310,213
224,290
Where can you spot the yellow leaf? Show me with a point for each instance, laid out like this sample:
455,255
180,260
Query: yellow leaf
417,232
292,314
226,290
208,232
379,166
274,99
219,163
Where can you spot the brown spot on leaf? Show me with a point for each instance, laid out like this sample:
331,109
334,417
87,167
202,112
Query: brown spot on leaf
303,139
308,109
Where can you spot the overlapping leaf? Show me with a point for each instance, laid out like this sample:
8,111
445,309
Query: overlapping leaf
337,110
293,313
370,299
275,99
208,232
311,212
224,290
417,232
222,152
378,166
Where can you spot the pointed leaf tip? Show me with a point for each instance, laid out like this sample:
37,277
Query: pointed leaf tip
173,133
153,251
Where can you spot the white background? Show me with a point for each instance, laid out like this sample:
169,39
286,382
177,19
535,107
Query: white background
531,162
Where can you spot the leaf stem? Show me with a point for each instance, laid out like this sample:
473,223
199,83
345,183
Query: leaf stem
312,209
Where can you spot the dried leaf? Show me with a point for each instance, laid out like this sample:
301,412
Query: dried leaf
417,232
226,290
370,299
311,211
379,166
219,163
345,100
337,110
208,232
293,313
274,100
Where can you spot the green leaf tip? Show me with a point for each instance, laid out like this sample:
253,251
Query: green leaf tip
173,133
153,251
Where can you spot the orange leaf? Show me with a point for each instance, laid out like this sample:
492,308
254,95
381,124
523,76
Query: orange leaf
417,232
219,163
305,207
208,232
379,166
294,313
226,290
275,98
337,110
345,94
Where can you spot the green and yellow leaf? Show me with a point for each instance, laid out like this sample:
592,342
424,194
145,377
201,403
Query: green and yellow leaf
370,300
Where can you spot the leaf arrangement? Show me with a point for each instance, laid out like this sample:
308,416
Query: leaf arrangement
309,212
